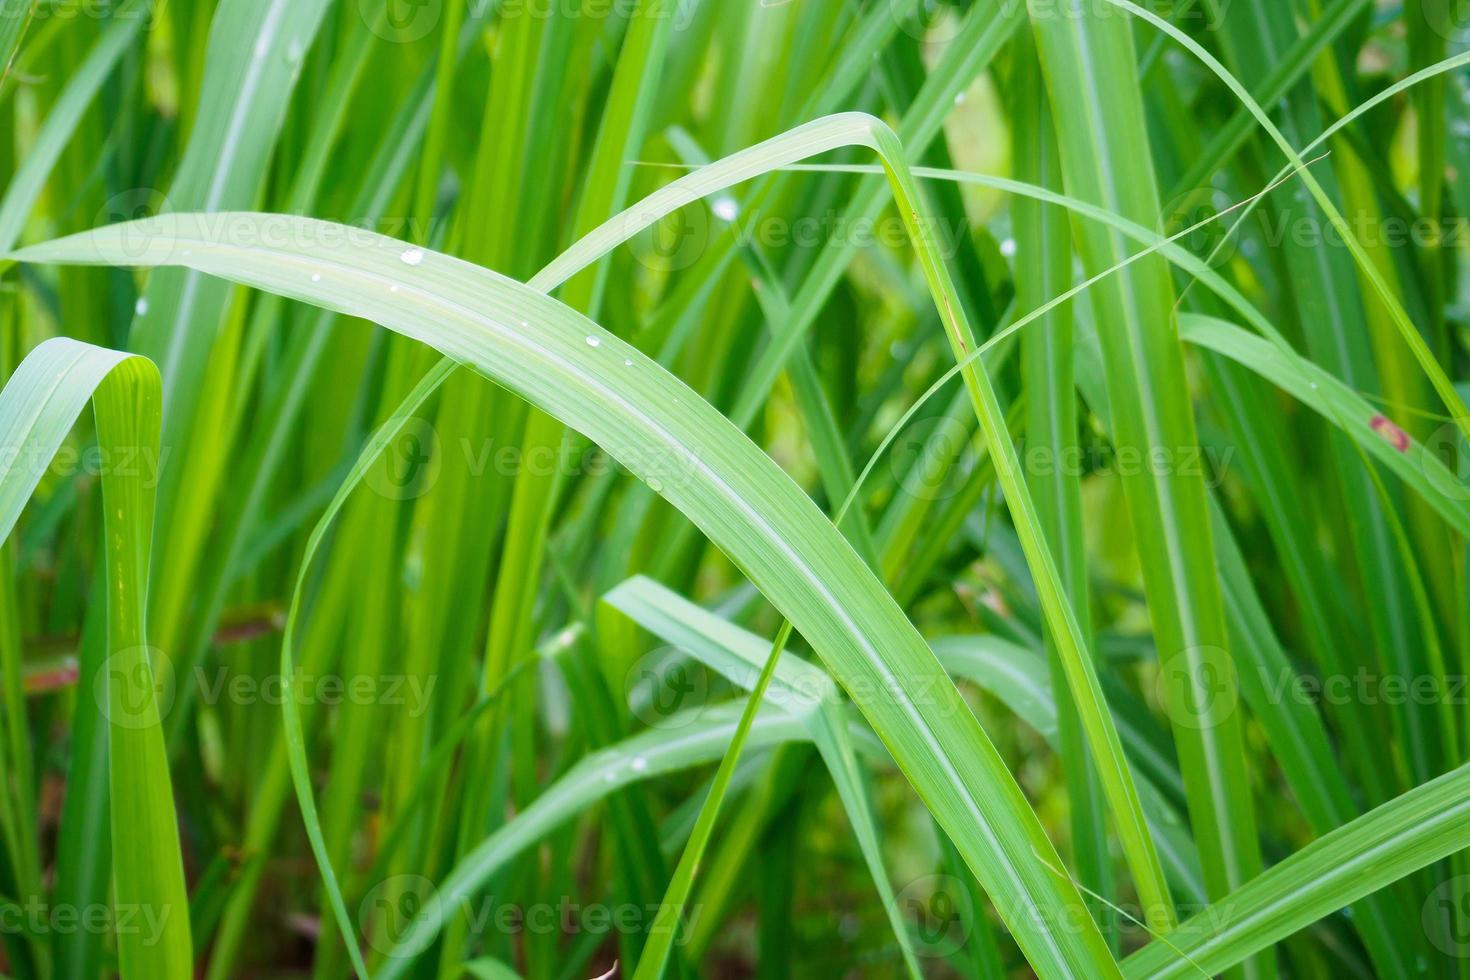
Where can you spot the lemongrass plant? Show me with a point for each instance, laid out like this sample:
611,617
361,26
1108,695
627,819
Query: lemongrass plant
678,488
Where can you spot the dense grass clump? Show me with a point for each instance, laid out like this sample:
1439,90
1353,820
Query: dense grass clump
703,489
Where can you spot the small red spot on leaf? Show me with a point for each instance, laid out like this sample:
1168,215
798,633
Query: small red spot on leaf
1396,437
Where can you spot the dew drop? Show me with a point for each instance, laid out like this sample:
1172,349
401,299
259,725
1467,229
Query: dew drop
316,277
959,98
655,485
393,288
627,362
294,51
1008,247
725,209
141,307
413,256
639,764
593,341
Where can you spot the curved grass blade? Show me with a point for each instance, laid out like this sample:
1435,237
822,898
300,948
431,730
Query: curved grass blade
38,407
686,743
664,433
1370,271
1291,67
1089,62
1269,355
857,129
1412,461
1422,826
802,689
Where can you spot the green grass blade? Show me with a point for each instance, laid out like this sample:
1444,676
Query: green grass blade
799,688
1286,71
1369,270
1089,63
682,745
81,88
14,18
648,421
1418,465
38,407
1044,270
857,129
1422,826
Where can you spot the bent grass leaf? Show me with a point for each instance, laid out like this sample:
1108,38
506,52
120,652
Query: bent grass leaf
1424,825
38,407
667,435
801,688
